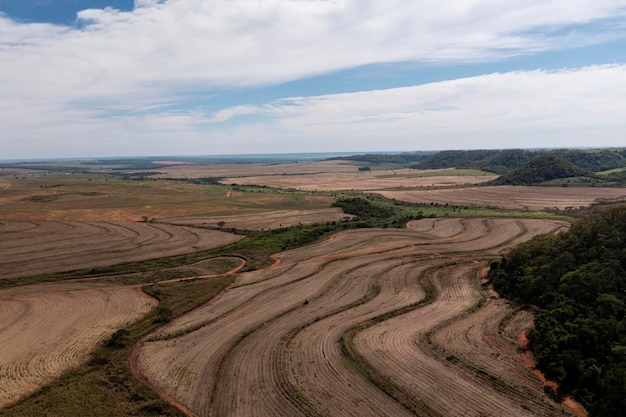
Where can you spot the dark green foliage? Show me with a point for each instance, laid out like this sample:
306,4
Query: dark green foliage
401,159
602,160
544,167
119,339
363,207
457,159
503,161
578,278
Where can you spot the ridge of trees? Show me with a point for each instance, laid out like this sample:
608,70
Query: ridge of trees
543,167
578,279
502,161
384,158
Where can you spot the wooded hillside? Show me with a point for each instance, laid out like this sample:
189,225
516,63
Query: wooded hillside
502,161
578,279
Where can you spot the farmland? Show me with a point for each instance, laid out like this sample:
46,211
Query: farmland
190,291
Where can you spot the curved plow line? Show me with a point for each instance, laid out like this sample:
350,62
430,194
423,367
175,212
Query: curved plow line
204,323
273,269
231,353
439,353
198,326
478,234
434,226
301,403
377,378
344,251
25,240
288,388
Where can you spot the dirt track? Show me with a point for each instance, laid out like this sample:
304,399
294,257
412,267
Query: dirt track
272,344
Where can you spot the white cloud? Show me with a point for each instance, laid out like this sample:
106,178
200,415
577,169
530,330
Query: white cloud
95,79
566,108
246,42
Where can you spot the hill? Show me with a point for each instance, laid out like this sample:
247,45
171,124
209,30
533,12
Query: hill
388,158
543,167
503,161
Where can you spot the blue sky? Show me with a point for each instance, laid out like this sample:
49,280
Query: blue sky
81,78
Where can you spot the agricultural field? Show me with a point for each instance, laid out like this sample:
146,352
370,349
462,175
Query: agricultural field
367,180
513,197
38,248
363,328
46,331
222,311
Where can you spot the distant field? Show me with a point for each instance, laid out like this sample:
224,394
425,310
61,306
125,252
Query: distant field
37,248
265,220
367,180
512,197
79,197
442,173
251,169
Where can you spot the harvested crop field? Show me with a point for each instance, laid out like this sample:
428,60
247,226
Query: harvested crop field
34,248
48,329
359,181
265,220
250,169
512,197
374,322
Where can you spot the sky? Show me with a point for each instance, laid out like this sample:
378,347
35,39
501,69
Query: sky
95,78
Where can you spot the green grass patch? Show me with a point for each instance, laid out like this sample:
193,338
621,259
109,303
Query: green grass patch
611,171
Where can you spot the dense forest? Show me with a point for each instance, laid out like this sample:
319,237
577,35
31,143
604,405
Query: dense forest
384,158
578,279
544,167
502,161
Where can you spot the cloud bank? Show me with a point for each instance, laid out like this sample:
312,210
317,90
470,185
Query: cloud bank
119,82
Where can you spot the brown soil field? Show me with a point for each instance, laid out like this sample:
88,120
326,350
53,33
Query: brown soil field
512,197
253,169
358,181
87,198
345,328
35,248
264,220
48,329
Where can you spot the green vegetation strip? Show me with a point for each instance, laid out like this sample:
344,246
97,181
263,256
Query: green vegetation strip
105,385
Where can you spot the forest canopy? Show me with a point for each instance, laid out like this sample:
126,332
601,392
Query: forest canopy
578,279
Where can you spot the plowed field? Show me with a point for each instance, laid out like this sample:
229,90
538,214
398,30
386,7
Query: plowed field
33,248
376,322
512,197
375,180
47,329
266,220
